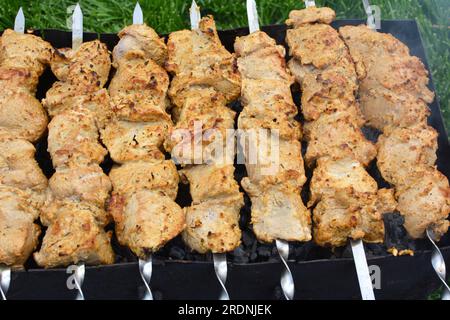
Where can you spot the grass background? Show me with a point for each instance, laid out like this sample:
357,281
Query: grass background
165,16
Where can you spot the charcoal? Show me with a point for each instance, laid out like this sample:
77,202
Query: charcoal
278,293
247,238
264,251
177,253
240,256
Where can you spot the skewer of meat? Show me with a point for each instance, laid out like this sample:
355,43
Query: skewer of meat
346,200
23,58
75,210
278,213
145,185
394,98
205,80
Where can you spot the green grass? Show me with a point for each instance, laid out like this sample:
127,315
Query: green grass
169,15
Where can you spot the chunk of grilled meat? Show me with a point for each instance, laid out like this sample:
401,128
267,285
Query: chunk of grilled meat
198,59
24,55
393,93
406,151
310,15
139,89
337,135
142,39
18,232
74,139
212,221
425,203
75,236
348,203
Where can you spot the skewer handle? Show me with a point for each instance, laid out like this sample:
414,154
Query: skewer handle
286,281
5,280
79,274
438,262
362,270
221,268
146,269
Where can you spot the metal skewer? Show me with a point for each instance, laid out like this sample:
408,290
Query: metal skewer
437,259
359,255
77,40
145,265
286,280
5,271
370,17
438,262
219,259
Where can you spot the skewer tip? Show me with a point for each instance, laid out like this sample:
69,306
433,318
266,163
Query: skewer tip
194,12
252,15
19,22
138,16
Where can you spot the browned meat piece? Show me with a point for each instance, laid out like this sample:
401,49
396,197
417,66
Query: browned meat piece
73,237
278,212
143,39
203,119
354,216
349,204
198,59
332,175
393,93
87,66
139,89
269,106
18,233
83,184
310,15
146,220
426,203
212,221
337,135
18,167
64,96
73,139
161,177
405,152
22,115
129,141
274,163
213,226
24,55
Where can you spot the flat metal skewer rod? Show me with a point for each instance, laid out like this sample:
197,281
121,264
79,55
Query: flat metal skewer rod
362,270
77,40
438,263
286,280
145,265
